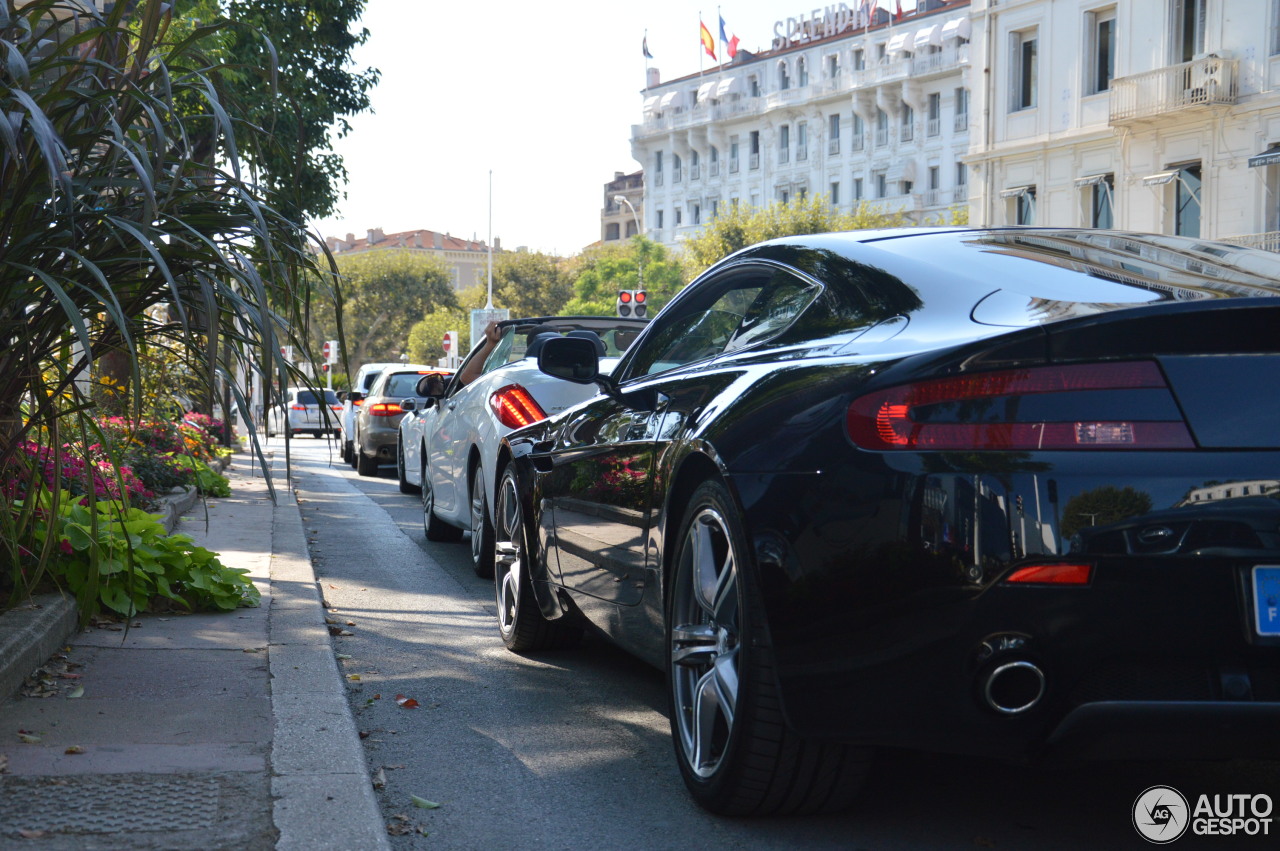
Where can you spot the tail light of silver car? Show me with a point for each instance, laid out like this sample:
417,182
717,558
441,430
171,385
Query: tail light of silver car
385,409
514,407
1103,406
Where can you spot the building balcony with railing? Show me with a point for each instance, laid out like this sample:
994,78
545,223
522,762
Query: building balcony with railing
961,122
933,127
802,154
907,132
857,141
882,137
1269,241
677,174
1205,82
695,171
753,162
833,146
784,155
733,166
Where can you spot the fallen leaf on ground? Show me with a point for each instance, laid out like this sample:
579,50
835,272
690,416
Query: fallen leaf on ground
78,691
399,828
330,620
351,623
355,678
343,655
424,803
74,749
4,763
406,702
379,779
253,650
33,834
364,734
28,738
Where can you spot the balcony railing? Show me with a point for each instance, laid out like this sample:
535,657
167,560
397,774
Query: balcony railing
676,175
962,121
1269,241
657,178
950,57
784,156
695,171
1210,81
931,197
833,146
754,162
907,133
802,154
882,137
857,141
961,194
715,169
733,166
933,127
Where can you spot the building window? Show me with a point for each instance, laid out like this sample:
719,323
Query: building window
860,58
962,109
1100,190
802,72
835,192
676,175
631,227
803,193
1188,29
1026,70
1102,50
695,213
857,189
657,168
611,231
882,128
715,161
679,217
1187,187
753,86
733,155
833,66
833,133
1275,27
881,184
695,165
908,130
659,215
802,141
1025,207
784,79
784,195
754,162
933,127
784,143
859,133
935,178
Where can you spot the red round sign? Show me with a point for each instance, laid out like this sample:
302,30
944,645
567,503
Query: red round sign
326,350
446,342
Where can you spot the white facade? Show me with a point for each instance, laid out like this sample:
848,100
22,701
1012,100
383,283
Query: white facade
1145,115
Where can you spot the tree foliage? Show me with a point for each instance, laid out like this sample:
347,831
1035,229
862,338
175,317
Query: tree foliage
600,272
530,283
427,335
1102,506
385,292
739,226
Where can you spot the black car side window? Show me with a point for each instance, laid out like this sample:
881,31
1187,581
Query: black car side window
743,308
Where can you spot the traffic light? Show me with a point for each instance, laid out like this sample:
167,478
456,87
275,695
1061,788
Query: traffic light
631,303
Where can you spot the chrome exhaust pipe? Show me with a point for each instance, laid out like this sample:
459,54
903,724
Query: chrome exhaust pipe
1013,687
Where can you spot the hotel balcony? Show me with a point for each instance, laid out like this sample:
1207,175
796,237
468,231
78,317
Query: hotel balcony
1269,241
1207,82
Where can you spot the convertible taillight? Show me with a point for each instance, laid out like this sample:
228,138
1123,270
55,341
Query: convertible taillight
1082,406
514,407
385,409
1051,574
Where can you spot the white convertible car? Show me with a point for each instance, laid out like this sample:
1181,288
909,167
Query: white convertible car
448,444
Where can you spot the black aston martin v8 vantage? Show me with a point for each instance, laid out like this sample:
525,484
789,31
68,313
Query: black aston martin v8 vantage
1007,492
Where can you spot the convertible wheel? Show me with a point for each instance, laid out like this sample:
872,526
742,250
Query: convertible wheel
433,527
481,528
405,487
520,622
734,749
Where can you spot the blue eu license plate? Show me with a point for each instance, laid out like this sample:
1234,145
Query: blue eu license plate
1266,598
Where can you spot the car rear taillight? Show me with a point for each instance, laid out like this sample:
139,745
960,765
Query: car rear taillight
297,407
1083,406
357,402
514,407
335,407
385,409
1051,574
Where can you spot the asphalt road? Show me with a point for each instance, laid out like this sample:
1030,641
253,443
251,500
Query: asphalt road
571,750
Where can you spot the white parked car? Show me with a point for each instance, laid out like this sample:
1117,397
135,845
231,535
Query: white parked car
304,411
448,444
365,376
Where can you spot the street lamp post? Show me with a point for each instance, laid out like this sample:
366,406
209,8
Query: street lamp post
622,199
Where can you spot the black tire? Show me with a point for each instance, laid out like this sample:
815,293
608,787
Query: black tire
347,457
481,528
405,487
365,465
520,621
432,526
733,746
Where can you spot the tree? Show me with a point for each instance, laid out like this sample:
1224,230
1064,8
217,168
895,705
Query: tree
530,283
426,337
289,74
1103,506
740,226
384,293
598,273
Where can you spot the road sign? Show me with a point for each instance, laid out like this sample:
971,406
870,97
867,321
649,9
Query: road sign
482,317
447,342
326,350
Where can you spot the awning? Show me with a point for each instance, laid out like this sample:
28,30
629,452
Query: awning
1016,191
1271,157
897,44
958,28
928,36
671,100
1159,178
706,91
1091,180
728,86
650,104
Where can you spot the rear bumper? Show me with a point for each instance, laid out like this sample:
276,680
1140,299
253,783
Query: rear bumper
1187,730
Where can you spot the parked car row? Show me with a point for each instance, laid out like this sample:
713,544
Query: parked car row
1007,492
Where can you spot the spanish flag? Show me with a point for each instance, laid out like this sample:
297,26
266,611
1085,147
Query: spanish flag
708,43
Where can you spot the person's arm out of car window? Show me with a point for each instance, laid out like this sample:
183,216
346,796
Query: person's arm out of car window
475,364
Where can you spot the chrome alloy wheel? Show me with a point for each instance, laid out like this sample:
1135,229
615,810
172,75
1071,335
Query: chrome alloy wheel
705,642
509,564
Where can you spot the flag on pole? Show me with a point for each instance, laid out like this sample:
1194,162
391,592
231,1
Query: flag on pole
897,10
731,44
644,46
708,43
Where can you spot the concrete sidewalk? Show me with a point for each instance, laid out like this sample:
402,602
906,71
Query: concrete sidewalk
200,731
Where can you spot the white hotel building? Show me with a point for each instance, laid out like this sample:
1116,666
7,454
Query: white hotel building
1145,115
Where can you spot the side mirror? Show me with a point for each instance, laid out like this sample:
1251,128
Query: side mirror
355,396
432,386
342,395
571,359
408,405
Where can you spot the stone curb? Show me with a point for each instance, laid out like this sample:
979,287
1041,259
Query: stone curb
32,632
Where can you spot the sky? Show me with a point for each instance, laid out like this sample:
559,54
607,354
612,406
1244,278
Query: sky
541,95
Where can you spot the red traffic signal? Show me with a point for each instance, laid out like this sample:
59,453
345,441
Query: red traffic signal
624,296
639,296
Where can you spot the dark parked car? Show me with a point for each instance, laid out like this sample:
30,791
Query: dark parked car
378,413
833,491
